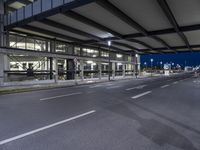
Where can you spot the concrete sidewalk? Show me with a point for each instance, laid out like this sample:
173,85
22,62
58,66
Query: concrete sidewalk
25,86
14,87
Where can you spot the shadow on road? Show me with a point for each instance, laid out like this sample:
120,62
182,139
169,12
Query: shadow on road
154,130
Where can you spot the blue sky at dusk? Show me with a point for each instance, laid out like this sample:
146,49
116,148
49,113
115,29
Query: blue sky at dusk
190,59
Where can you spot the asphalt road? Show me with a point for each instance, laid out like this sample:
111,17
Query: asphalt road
143,114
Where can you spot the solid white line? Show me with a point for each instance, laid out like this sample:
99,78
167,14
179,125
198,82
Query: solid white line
138,87
142,94
95,86
50,98
45,128
175,82
113,87
164,86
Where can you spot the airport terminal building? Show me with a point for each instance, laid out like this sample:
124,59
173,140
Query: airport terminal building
59,45
68,39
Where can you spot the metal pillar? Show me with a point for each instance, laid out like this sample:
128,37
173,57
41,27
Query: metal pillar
124,70
1,43
109,65
56,70
113,69
82,69
1,69
100,70
52,49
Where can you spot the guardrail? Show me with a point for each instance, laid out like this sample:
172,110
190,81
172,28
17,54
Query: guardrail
33,9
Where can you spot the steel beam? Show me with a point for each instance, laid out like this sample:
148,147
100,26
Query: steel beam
11,51
25,2
70,29
168,13
53,34
92,23
61,9
121,15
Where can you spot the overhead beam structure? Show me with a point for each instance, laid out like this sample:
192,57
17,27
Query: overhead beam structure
85,20
163,4
118,13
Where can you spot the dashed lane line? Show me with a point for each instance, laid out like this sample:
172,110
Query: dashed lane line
45,128
138,87
142,94
60,96
164,86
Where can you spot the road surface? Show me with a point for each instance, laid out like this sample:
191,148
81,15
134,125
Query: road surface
147,114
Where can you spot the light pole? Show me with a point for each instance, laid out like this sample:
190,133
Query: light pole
161,65
109,66
136,65
151,66
145,64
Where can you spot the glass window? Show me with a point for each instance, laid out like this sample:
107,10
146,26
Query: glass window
30,43
104,54
90,52
77,51
21,42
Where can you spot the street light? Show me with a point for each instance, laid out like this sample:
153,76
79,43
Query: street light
151,66
109,66
136,65
145,64
161,65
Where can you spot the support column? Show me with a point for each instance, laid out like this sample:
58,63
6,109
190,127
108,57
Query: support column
100,70
1,23
82,69
4,64
1,69
139,65
52,49
124,70
113,69
56,70
70,69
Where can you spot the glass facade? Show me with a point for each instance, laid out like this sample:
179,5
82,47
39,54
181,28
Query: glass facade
19,64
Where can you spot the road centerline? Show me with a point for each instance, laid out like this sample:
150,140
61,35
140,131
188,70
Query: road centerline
45,128
142,94
60,96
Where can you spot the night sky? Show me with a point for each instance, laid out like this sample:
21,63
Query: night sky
188,59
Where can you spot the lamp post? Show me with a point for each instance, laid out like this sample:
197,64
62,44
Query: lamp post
109,66
161,65
136,65
145,64
151,66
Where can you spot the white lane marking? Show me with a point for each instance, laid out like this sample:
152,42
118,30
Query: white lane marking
164,86
142,94
50,98
45,128
176,82
113,87
95,86
138,87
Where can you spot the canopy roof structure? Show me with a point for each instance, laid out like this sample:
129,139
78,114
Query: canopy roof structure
140,26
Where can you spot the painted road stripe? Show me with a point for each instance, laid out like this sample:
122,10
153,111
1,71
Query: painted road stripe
50,98
164,86
142,94
175,82
113,87
45,128
138,87
95,86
